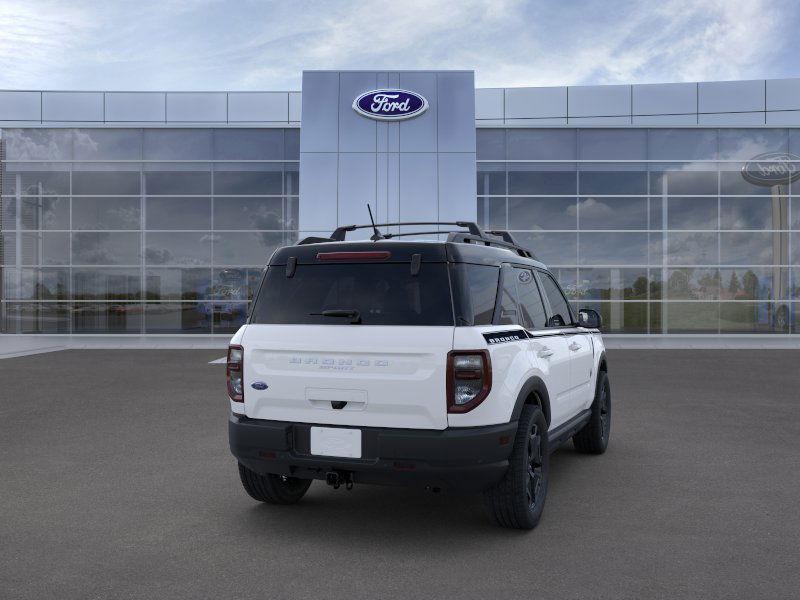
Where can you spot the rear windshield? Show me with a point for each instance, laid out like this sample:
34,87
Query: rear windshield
382,294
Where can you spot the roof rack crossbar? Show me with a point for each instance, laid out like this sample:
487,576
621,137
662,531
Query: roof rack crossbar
341,232
472,235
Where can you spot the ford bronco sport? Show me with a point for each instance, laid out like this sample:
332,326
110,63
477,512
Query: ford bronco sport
452,364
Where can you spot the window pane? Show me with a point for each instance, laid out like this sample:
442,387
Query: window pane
560,314
49,248
656,213
178,183
754,213
248,213
542,213
747,317
105,248
621,317
491,179
612,213
613,182
107,318
490,144
746,144
475,291
38,144
291,142
249,183
291,179
530,300
608,144
541,144
235,283
36,284
105,213
178,284
692,248
36,183
750,248
492,213
692,213
229,317
178,248
44,212
550,248
613,284
733,182
509,314
107,144
693,284
683,183
755,283
248,144
34,317
691,317
8,214
613,249
106,284
682,144
178,144
118,183
530,182
174,212
176,317
239,249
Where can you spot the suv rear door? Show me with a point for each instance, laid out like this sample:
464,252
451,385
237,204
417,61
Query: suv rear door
350,342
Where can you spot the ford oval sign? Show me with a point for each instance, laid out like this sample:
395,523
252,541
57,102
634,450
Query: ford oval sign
772,168
390,105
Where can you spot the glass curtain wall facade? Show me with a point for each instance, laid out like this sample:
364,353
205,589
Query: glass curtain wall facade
141,230
657,229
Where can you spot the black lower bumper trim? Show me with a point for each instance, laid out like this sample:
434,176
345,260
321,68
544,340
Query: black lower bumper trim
470,458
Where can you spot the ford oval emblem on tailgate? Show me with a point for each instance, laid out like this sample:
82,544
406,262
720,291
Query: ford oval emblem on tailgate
259,385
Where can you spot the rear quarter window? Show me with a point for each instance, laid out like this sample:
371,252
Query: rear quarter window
475,292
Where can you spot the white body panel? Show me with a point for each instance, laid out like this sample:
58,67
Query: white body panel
388,376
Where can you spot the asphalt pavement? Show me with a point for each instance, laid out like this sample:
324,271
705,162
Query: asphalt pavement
116,482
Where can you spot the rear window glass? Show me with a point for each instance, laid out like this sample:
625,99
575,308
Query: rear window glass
476,287
382,294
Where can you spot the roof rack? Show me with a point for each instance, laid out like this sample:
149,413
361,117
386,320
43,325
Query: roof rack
473,235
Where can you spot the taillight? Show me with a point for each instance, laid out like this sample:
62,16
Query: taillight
235,373
469,379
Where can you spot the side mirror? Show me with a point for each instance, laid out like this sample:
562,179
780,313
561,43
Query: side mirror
589,318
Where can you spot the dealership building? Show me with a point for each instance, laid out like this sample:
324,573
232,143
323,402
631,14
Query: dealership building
671,209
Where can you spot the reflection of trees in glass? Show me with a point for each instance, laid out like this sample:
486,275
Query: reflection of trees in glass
734,286
694,284
639,289
750,285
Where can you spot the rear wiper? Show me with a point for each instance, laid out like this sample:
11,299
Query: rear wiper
353,315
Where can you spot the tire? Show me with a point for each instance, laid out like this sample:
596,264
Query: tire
518,499
593,438
273,489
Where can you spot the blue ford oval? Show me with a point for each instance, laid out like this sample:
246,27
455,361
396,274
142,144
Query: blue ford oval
259,385
390,104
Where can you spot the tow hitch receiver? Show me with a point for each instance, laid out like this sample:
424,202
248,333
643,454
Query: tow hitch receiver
338,478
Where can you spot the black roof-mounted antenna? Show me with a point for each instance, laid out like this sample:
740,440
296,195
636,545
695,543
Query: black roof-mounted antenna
377,235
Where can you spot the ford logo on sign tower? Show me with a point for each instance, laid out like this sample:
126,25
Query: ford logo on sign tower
390,105
772,168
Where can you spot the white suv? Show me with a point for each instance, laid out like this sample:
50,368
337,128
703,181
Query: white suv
456,364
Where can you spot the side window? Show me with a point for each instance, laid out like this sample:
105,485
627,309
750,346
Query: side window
508,298
530,300
560,315
475,292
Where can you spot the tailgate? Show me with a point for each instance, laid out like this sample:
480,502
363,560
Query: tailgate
340,375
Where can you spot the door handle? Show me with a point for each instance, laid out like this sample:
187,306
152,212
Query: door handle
545,352
574,346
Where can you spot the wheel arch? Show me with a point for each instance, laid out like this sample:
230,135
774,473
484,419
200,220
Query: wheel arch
534,391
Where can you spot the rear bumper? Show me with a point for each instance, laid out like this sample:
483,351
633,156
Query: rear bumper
471,458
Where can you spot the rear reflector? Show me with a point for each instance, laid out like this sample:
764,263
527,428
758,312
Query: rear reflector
369,255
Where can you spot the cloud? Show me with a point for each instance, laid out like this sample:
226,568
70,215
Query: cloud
205,44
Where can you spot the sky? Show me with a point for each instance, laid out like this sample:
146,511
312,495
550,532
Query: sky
264,45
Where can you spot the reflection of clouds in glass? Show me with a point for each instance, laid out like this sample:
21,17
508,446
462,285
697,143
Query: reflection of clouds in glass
83,143
692,248
188,249
37,144
750,248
